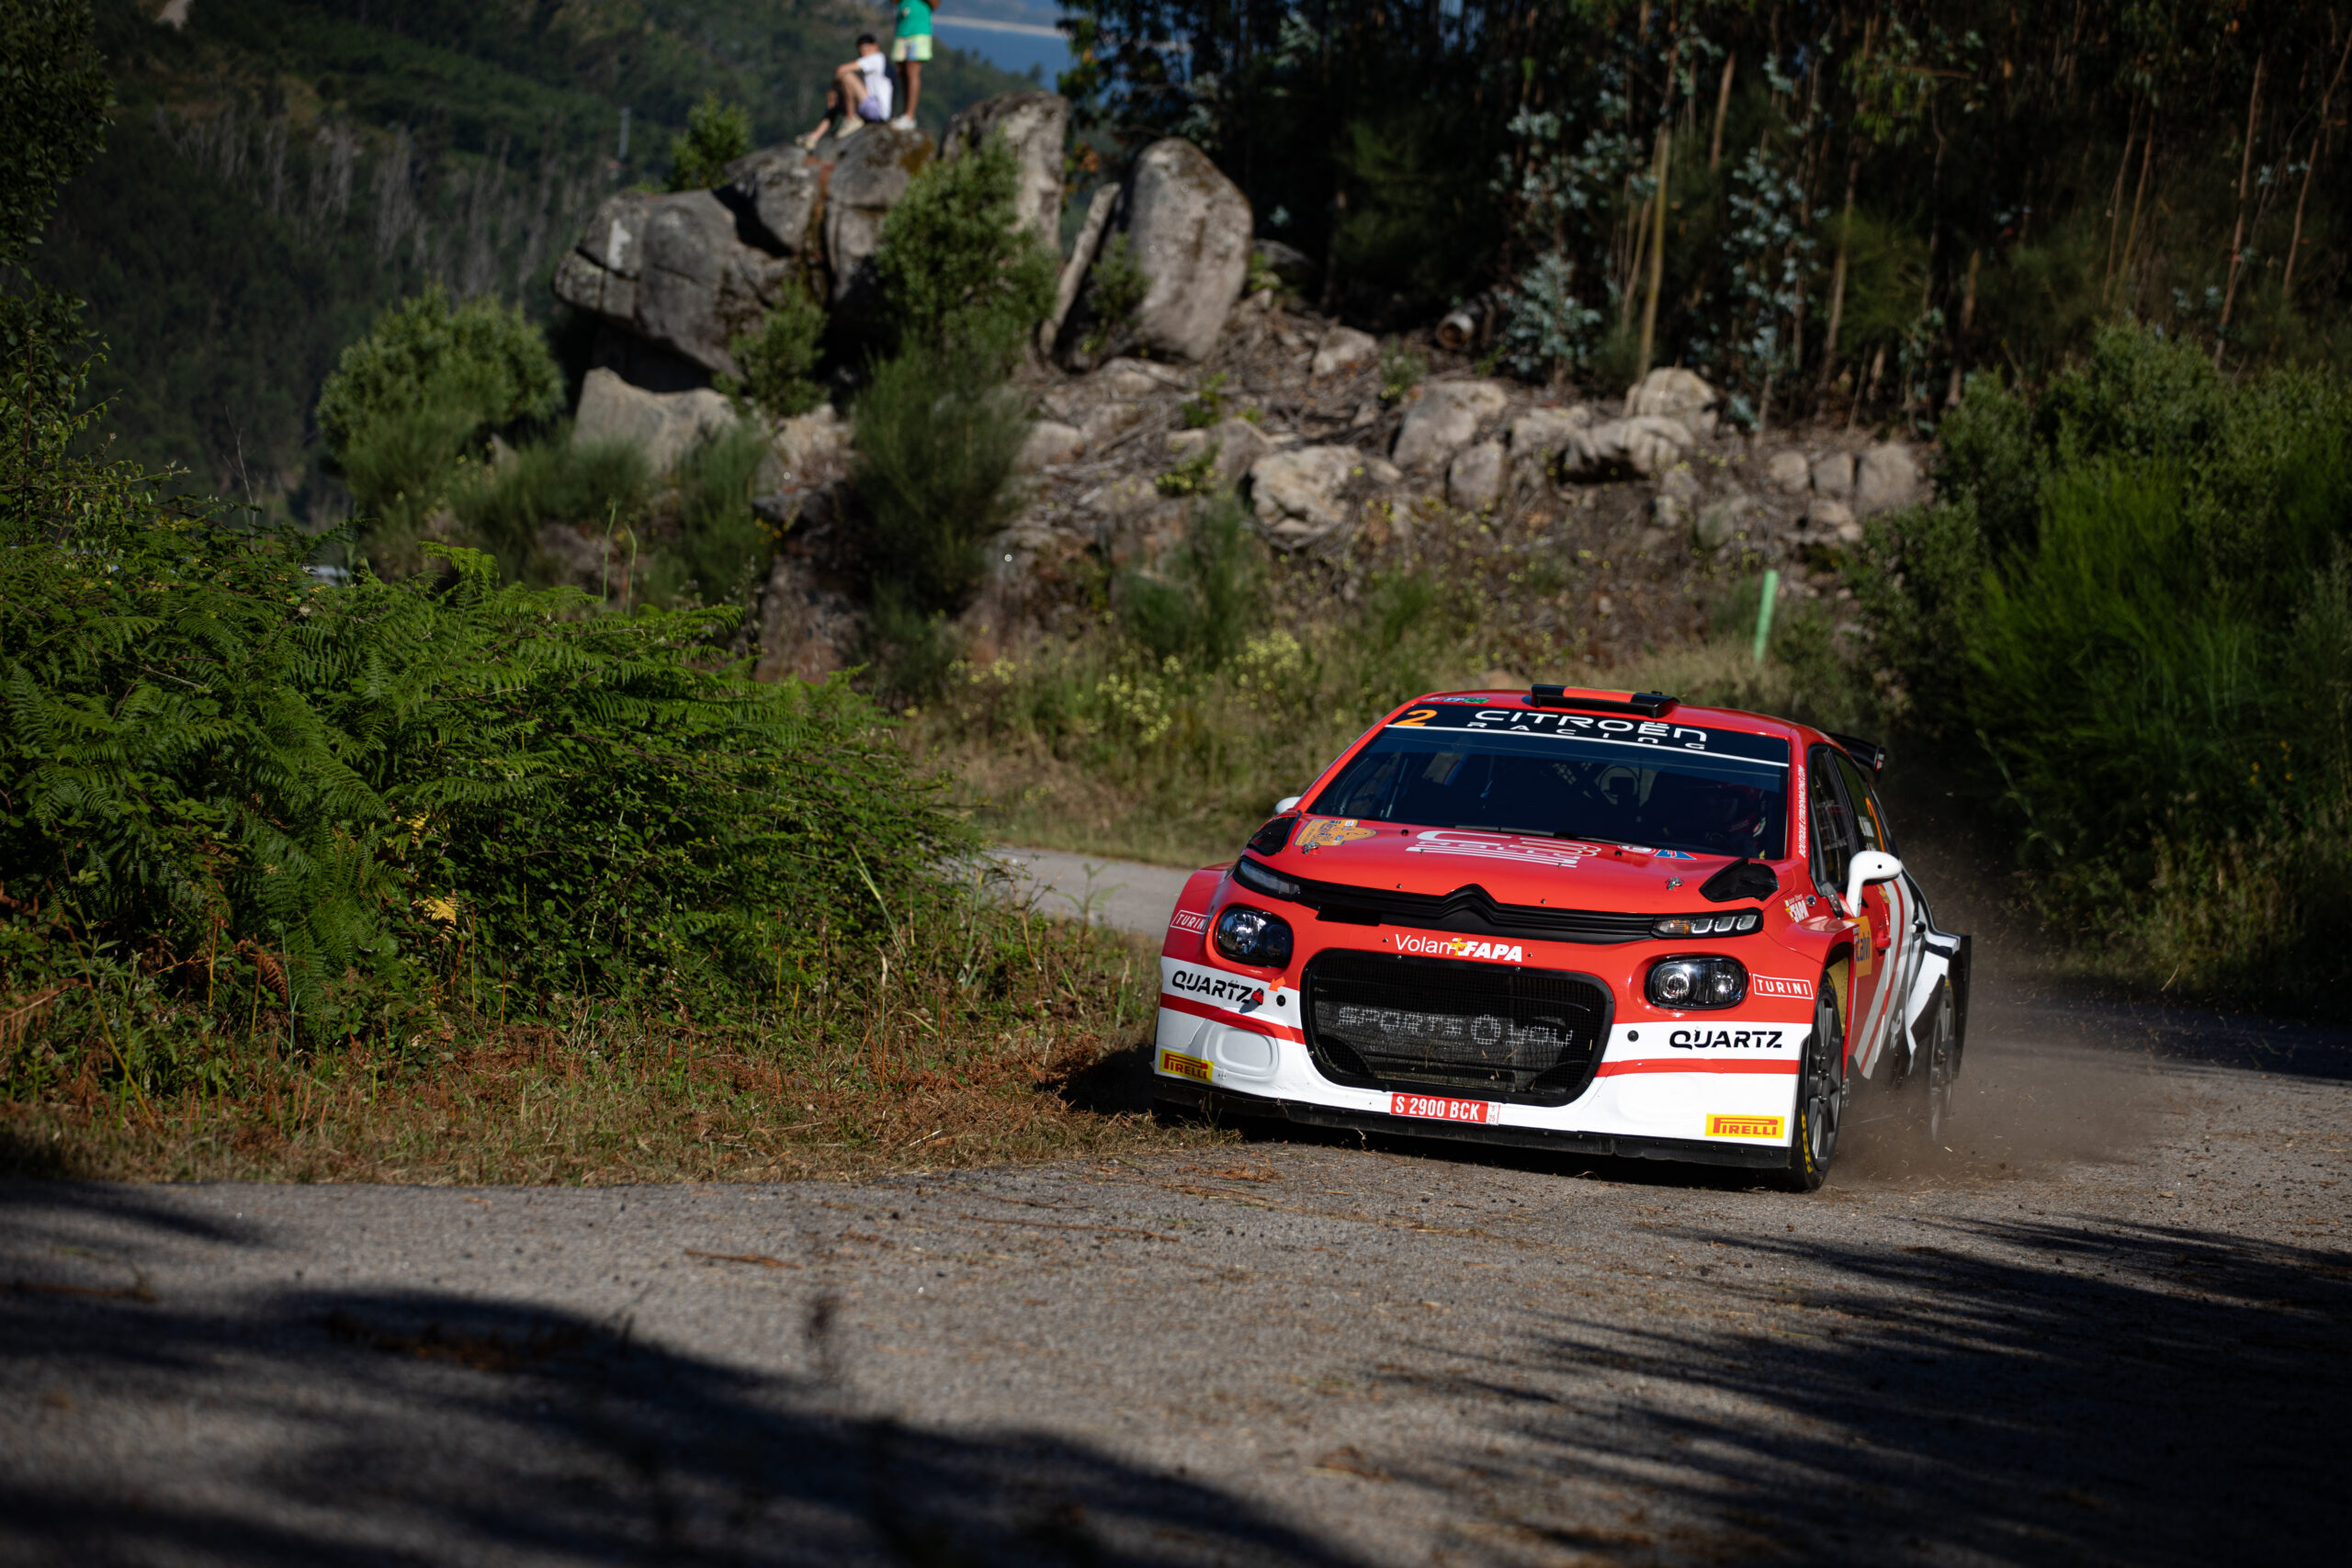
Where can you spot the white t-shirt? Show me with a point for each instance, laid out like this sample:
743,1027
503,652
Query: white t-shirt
876,69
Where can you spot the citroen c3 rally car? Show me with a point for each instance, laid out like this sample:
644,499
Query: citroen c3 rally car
1599,922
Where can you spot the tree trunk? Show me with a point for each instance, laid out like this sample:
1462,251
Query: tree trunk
2295,243
1723,104
2237,235
1657,246
1837,269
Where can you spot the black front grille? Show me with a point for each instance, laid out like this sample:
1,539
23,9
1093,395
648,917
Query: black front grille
1486,1031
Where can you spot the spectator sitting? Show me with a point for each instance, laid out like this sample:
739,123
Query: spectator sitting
861,92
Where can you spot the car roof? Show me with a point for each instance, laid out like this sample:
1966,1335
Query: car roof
1616,701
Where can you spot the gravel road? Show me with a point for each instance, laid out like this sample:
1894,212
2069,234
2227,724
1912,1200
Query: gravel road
2107,1325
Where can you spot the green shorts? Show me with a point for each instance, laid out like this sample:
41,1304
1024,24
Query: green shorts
915,47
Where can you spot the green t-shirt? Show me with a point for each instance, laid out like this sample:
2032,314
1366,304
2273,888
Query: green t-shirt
914,18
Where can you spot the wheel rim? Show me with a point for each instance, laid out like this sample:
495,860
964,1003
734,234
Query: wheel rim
1821,1099
1939,1072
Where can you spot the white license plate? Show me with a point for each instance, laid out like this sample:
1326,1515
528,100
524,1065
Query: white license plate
1437,1108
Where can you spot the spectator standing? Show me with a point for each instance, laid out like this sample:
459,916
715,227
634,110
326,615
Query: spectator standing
911,47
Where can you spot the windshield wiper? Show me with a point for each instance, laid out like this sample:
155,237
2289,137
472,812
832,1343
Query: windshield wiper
1490,828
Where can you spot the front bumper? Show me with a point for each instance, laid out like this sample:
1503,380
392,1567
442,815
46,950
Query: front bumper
1715,1088
1227,1104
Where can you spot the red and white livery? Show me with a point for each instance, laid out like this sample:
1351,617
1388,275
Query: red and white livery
1602,922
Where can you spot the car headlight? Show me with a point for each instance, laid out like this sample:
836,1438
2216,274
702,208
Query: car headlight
1683,982
1253,936
1738,922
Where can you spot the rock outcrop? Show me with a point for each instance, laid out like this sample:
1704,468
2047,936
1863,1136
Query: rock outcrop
1343,348
664,426
1296,494
1675,394
1887,478
1644,446
780,193
1238,444
1035,125
675,271
1474,481
1445,420
873,173
1189,229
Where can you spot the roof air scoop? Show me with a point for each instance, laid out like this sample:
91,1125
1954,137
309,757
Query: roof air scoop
1648,704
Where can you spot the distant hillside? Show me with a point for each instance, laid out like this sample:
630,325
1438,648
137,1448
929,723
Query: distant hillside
278,169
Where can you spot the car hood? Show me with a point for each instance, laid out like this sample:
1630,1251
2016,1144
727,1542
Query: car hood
1560,874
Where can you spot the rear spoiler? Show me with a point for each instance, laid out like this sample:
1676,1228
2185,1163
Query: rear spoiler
1868,753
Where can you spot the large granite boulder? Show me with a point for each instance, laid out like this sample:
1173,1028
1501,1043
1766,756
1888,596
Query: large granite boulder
874,172
1297,493
1443,420
1671,392
1613,448
1885,479
664,426
1036,124
1188,227
673,269
779,192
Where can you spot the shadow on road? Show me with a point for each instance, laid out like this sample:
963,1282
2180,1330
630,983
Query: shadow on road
420,1428
2033,1391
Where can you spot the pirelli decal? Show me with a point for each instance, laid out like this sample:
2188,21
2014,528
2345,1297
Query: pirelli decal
1184,1067
1721,1126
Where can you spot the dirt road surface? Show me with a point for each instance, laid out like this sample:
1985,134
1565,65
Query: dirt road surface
2107,1323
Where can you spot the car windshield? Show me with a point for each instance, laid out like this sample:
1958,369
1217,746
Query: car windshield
1546,783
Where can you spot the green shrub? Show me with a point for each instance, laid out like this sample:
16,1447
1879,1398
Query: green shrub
1194,475
1402,368
427,383
1208,596
54,101
957,271
724,548
1115,289
550,481
211,755
937,434
779,360
717,134
1205,407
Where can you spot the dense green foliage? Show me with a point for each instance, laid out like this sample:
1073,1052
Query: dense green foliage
53,98
1863,203
2131,613
717,133
477,365
780,359
282,169
956,274
938,430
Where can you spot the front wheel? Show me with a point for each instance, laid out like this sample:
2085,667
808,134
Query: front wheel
1821,1096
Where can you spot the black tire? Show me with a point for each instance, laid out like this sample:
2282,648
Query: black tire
1936,1070
1821,1096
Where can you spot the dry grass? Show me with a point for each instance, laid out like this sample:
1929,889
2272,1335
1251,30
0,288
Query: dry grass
1031,1060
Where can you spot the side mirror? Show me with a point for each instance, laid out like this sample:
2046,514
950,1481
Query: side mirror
1870,866
1287,802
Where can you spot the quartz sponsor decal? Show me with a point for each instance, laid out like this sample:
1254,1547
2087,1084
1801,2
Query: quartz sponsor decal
1217,987
1719,1126
1185,1066
1330,832
1773,985
1188,920
1725,1039
1438,1108
1463,947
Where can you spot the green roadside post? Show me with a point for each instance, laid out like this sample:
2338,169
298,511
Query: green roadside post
1764,611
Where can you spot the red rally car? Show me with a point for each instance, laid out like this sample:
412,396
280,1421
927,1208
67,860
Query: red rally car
1598,921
